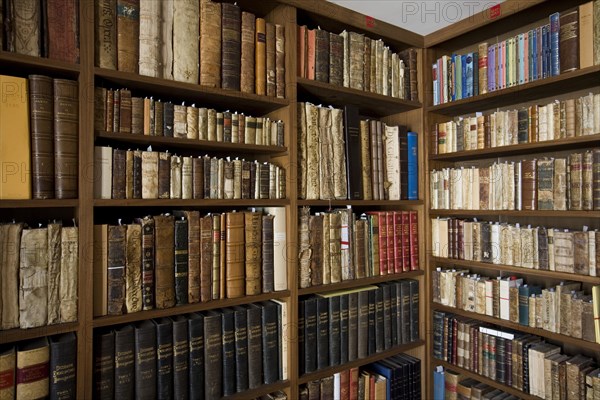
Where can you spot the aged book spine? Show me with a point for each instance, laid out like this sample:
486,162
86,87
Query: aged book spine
587,181
316,237
213,355
260,57
228,336
42,142
576,181
118,173
100,271
181,261
106,34
27,22
185,42
210,43
279,61
7,372
216,257
164,175
117,248
247,53
145,358
32,369
267,254
231,46
128,28
336,58
164,261
366,170
253,247
69,273
150,40
133,268
205,258
322,56
569,40
305,253
54,260
124,362
357,48
66,133
62,372
33,284
193,219
235,256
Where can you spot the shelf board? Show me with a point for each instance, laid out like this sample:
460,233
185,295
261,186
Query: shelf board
322,373
518,327
515,213
480,378
241,203
518,270
17,335
518,149
187,308
259,391
359,282
568,82
368,103
179,91
49,203
38,65
189,144
359,203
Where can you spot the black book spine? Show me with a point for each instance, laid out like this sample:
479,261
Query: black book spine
63,366
500,362
164,359
196,355
387,317
379,326
372,316
403,144
181,355
486,242
228,349
301,342
168,119
145,360
523,126
213,356
207,177
270,337
322,332
310,334
353,152
363,325
124,363
334,330
148,249
241,349
414,309
255,365
104,364
181,261
344,308
227,126
137,175
394,314
405,311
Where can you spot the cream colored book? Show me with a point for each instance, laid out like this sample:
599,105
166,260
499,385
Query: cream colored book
392,163
102,172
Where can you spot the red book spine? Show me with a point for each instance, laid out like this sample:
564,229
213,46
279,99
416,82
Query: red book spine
406,240
391,236
383,233
345,385
354,383
398,241
311,40
414,241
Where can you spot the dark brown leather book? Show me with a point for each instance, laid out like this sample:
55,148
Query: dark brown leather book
265,180
117,245
118,176
206,258
529,184
128,29
234,274
253,248
145,359
260,57
241,348
108,120
99,109
255,364
247,53
181,261
164,175
270,342
270,60
195,323
105,34
268,254
246,192
180,357
230,46
580,253
124,362
279,61
66,138
42,136
228,335
164,261
210,43
63,362
137,175
193,219
353,152
164,359
316,238
125,111
587,181
63,30
148,261
569,40
104,364
336,59
137,115
213,356
322,56
168,119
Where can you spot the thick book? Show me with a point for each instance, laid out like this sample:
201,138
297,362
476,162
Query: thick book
63,366
117,260
309,306
8,361
164,358
279,247
213,356
210,43
104,363
569,40
195,332
164,271
124,362
128,28
42,136
241,348
252,242
234,231
145,359
270,342
150,40
181,350
32,372
353,152
185,40
181,261
247,52
33,283
231,25
255,345
105,34
66,138
228,350
322,56
260,57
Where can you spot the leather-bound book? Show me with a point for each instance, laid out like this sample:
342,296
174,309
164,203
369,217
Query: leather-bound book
42,139
304,251
54,259
128,33
247,53
180,121
150,39
235,273
587,179
185,42
228,342
116,114
563,251
316,238
279,61
596,179
117,252
105,34
241,348
560,184
33,284
217,226
133,268
569,40
100,273
145,359
352,141
576,181
137,115
164,358
357,49
104,364
332,246
362,331
210,43
231,46
26,35
110,110
181,261
148,261
193,253
66,138
252,247
246,179
301,50
125,111
166,33
164,261
159,114
163,175
186,178
99,108
206,247
322,56
270,342
62,30
580,253
265,181
529,185
180,357
213,356
124,362
270,60
32,374
260,57
336,57
365,161
118,173
255,346
195,332
545,184
198,178
63,362
168,119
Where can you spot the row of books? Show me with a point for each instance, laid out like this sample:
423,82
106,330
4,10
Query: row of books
522,361
397,377
448,384
353,60
118,111
341,157
40,368
137,174
562,183
565,43
167,260
564,308
533,124
338,246
237,51
549,249
200,355
342,326
39,274
41,29
39,131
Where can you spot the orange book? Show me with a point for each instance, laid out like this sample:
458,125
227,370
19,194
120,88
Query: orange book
301,51
311,41
260,67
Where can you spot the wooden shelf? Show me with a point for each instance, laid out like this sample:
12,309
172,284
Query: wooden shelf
259,391
189,144
470,374
240,203
515,213
519,270
182,91
16,335
322,373
518,149
187,308
518,327
39,65
368,103
359,203
49,203
565,83
359,282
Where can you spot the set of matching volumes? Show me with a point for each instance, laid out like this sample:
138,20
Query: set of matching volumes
548,249
48,29
533,124
337,246
235,51
40,368
342,326
564,308
353,60
519,360
569,41
168,260
39,272
570,183
39,137
117,111
448,384
137,174
200,355
341,157
397,377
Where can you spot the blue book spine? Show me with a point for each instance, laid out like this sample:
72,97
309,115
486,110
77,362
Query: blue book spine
468,75
454,79
549,52
413,166
554,40
544,47
524,305
386,373
434,70
439,384
533,49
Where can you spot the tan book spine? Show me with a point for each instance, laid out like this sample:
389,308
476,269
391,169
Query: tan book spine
335,249
325,249
304,251
106,34
325,154
150,39
210,43
185,43
312,153
260,57
167,39
165,261
365,150
54,260
10,275
33,360
253,252
8,362
69,276
247,65
133,269
129,175
33,278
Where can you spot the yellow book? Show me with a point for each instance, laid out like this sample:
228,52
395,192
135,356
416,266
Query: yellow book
586,35
15,150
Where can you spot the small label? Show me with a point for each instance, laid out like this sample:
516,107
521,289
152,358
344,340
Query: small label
7,379
261,37
495,11
369,22
32,373
279,236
